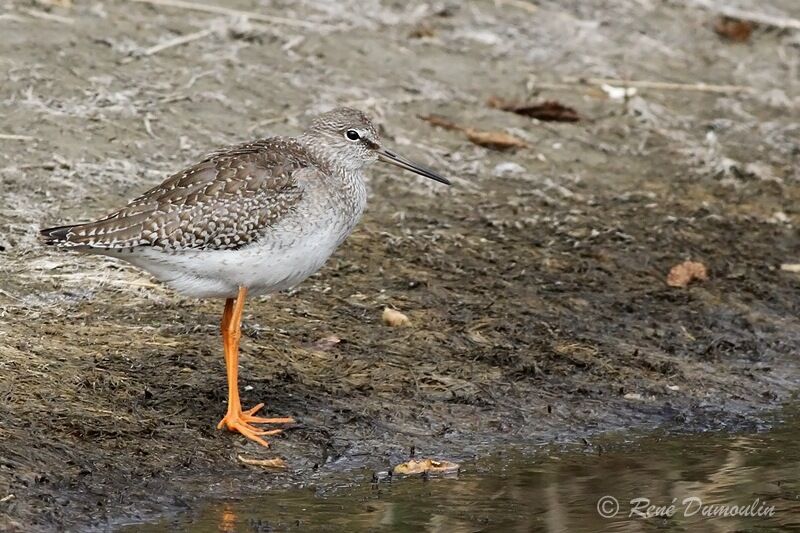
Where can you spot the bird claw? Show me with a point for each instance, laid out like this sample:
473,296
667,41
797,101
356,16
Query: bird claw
248,416
241,423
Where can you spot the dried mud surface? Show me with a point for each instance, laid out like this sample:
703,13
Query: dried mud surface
536,285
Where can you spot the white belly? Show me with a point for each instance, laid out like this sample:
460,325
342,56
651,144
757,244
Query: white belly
262,267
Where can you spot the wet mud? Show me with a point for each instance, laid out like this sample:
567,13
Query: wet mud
535,286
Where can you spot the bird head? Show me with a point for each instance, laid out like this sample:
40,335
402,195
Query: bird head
347,137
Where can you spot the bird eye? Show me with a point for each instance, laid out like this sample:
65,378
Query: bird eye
352,135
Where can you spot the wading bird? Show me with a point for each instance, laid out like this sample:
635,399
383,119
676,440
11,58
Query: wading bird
256,218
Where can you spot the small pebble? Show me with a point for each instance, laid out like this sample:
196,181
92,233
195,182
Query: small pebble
394,318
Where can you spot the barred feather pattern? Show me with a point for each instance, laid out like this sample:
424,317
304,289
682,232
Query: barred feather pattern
224,202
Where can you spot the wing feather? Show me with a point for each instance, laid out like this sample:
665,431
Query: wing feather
225,201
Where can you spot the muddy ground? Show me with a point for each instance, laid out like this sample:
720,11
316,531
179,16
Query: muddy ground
535,285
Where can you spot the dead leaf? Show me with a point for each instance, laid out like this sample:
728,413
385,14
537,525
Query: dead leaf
276,463
441,122
423,466
683,274
394,318
495,140
549,110
733,29
423,29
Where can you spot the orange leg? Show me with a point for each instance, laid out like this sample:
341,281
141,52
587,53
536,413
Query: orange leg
236,419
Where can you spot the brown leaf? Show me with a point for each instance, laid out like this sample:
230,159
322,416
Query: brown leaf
496,140
683,274
430,466
733,29
549,110
394,318
440,121
276,462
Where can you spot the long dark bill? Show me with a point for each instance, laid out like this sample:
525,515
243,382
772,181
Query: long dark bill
387,156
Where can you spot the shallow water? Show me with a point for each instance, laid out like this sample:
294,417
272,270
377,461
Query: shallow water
701,475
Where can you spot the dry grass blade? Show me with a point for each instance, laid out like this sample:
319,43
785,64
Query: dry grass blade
9,137
521,4
207,8
647,84
177,41
66,4
47,16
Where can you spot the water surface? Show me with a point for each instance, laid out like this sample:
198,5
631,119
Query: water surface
703,476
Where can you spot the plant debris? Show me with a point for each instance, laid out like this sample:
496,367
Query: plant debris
326,343
275,463
425,466
684,273
733,29
549,110
394,319
494,140
441,122
541,282
422,30
618,93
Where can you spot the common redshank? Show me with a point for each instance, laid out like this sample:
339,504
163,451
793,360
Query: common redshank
256,218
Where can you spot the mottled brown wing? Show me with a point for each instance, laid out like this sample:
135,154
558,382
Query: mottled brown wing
224,202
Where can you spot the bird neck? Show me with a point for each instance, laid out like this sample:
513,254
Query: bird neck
328,159
348,180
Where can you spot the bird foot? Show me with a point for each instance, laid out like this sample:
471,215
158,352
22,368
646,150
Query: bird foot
240,422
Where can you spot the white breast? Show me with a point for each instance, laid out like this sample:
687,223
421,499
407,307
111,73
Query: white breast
265,267
286,256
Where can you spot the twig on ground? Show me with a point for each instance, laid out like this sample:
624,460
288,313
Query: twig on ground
182,4
148,127
47,16
177,41
9,137
521,4
9,295
647,84
784,23
9,16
